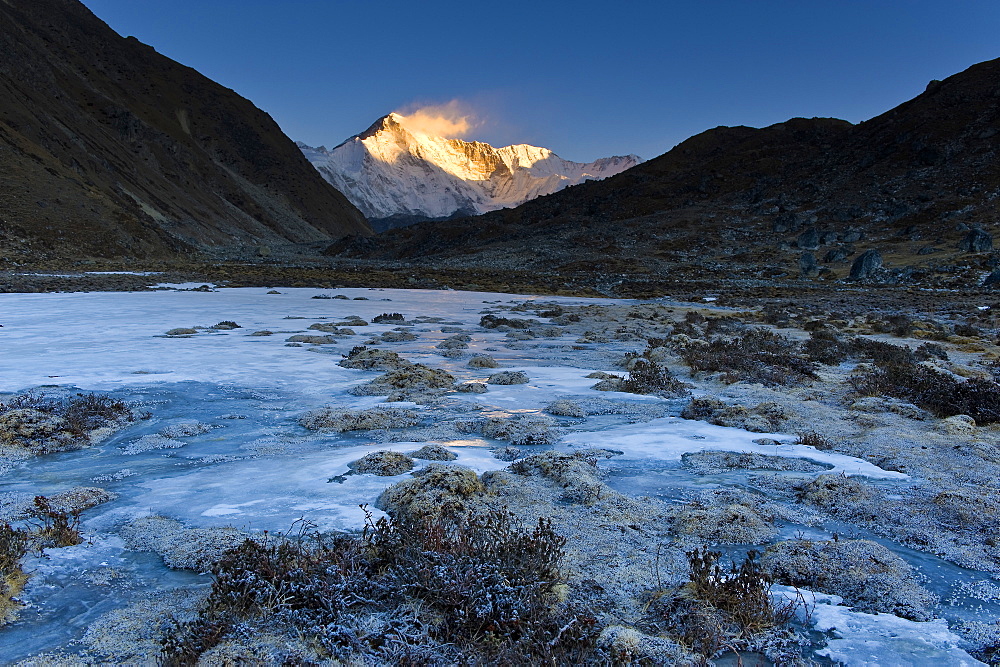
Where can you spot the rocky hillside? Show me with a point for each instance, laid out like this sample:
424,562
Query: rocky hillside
919,184
109,149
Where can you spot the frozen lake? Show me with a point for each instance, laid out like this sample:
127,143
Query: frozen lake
238,457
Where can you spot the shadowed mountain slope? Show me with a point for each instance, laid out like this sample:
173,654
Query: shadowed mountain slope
735,201
108,148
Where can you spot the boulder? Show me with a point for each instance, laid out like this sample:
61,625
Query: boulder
867,265
808,240
807,265
976,241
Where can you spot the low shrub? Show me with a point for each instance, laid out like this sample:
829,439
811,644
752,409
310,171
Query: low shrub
938,392
648,377
814,439
716,609
476,590
757,356
743,594
825,347
882,353
57,528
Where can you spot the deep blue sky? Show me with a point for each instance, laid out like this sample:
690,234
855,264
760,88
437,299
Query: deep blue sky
586,79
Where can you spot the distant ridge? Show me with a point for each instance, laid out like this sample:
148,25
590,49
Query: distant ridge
109,149
807,196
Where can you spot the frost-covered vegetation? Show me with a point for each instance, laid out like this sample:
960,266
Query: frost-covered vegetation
548,481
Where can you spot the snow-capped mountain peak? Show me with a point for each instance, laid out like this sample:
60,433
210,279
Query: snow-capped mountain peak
395,170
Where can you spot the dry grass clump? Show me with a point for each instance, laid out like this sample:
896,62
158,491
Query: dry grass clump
423,591
757,356
764,417
43,424
341,420
311,339
814,439
330,328
13,547
482,361
518,429
731,523
866,574
408,383
372,359
384,464
508,377
434,452
564,407
438,489
576,473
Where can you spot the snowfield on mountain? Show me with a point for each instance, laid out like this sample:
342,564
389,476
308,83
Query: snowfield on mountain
391,169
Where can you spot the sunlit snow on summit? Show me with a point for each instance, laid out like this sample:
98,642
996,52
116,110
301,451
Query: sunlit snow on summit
453,120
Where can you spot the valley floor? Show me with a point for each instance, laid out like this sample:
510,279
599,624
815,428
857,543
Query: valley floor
254,409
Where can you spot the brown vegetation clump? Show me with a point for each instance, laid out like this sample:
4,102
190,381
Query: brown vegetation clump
518,429
438,489
384,464
814,439
898,374
493,322
43,425
576,473
732,523
372,359
757,356
427,590
13,547
410,382
434,452
718,609
482,361
508,377
341,420
56,527
765,417
866,574
832,490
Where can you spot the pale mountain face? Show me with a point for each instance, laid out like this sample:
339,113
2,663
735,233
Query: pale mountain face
390,170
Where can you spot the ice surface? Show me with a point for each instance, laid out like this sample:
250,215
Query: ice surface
876,640
254,467
669,438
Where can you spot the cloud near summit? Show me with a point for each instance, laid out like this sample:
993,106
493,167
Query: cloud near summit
452,120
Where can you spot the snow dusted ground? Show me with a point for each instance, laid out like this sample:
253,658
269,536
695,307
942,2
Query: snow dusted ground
247,462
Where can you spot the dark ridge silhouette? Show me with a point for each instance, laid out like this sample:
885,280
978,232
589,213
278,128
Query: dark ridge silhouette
110,149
